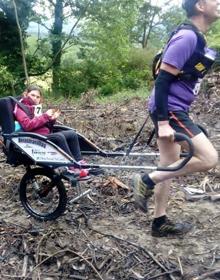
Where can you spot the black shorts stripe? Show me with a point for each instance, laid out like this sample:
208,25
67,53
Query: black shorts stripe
181,124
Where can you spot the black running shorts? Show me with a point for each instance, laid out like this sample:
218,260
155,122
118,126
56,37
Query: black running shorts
180,122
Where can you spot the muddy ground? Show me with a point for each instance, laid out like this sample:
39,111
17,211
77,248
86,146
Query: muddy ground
103,236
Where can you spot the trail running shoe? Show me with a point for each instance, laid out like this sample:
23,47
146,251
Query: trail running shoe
92,171
83,174
141,192
169,228
82,161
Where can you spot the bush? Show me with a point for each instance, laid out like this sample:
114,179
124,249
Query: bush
79,77
6,82
137,70
104,75
109,88
130,81
72,82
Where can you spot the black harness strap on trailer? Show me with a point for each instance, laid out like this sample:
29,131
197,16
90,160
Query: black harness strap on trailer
22,106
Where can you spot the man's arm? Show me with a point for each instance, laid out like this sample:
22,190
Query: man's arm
163,82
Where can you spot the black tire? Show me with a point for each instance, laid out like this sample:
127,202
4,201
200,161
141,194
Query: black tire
40,187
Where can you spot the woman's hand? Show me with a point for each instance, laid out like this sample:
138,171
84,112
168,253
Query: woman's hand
53,113
165,130
56,114
50,112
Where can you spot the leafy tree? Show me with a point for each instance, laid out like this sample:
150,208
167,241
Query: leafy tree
155,23
214,36
10,49
106,40
115,41
146,22
171,19
59,11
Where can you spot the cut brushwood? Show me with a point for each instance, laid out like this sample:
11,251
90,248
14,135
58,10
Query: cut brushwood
114,183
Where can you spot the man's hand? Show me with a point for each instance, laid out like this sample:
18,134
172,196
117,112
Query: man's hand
165,130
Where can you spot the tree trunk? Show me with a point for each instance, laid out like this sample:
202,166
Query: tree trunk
22,44
144,35
56,46
147,34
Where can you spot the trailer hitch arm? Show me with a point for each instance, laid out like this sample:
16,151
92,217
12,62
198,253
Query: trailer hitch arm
178,137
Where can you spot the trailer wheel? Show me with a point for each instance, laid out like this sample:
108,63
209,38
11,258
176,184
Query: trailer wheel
42,194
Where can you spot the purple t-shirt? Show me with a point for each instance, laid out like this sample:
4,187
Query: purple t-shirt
177,52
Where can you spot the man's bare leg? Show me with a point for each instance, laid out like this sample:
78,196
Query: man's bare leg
205,157
162,225
169,153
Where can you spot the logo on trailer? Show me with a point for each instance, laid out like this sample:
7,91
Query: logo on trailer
32,141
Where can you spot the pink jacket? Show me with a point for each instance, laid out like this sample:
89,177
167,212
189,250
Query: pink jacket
41,124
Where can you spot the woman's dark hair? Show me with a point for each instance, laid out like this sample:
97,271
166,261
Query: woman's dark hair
189,7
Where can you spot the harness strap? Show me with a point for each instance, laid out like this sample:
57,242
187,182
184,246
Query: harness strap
21,105
190,26
201,43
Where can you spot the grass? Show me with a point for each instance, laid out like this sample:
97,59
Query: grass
141,93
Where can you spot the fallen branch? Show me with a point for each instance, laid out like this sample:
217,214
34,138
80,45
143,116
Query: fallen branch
39,244
207,275
14,276
180,265
162,274
25,266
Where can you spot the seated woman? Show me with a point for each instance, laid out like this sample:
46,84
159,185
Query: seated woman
42,123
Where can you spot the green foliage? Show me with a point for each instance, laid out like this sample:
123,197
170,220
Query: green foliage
139,64
213,37
72,80
145,21
10,50
6,81
171,19
9,44
106,43
133,73
109,88
38,54
121,96
76,79
111,50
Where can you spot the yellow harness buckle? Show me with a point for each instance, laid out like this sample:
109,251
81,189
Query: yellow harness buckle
200,67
